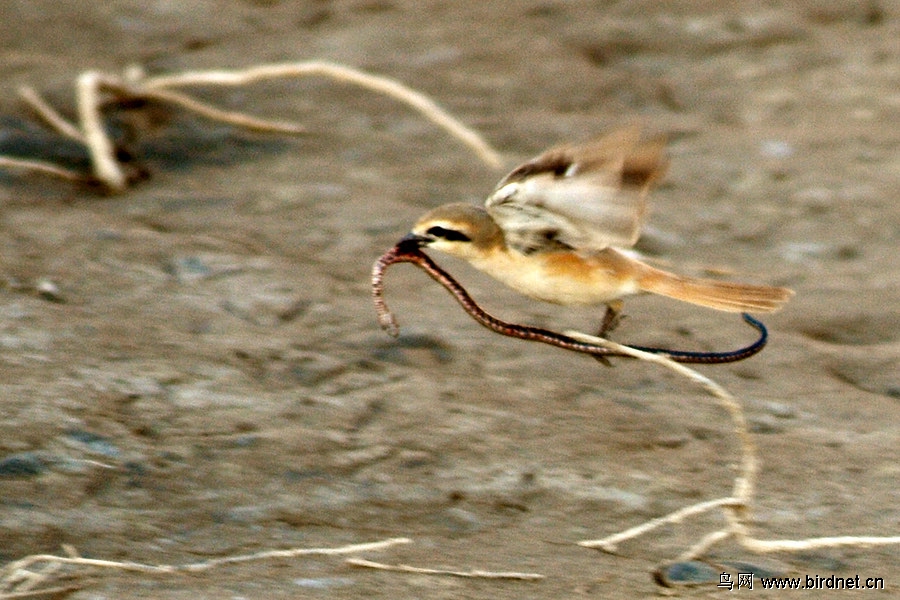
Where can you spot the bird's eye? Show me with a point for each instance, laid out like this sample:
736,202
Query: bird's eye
451,235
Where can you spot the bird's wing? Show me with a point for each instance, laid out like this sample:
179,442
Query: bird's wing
586,197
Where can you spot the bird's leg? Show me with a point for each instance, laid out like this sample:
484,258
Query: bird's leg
612,318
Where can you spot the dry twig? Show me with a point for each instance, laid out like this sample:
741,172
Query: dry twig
21,576
736,508
474,574
94,90
39,166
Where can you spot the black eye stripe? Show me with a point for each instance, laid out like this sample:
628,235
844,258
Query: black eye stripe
451,235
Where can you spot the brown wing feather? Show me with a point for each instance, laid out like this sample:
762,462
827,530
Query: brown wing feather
586,196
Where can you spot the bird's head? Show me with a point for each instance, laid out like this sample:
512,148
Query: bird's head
459,229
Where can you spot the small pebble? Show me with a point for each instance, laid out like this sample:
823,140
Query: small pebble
781,410
23,464
48,290
92,442
686,572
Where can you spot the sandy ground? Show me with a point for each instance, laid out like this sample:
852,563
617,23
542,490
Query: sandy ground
213,338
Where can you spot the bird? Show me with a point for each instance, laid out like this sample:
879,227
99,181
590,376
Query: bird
561,227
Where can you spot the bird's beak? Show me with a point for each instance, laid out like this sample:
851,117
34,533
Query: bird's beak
414,240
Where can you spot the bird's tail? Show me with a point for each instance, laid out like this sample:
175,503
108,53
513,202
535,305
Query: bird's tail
721,295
